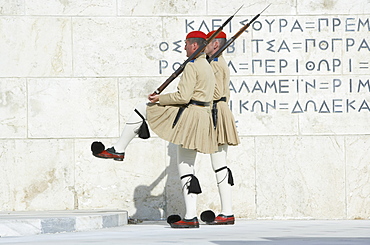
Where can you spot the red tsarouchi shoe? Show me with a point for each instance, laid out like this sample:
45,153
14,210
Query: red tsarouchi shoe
110,153
223,220
186,223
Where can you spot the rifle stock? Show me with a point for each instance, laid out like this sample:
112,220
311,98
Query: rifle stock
232,39
193,56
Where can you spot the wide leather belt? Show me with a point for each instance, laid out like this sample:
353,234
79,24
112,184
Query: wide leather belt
215,110
182,108
222,99
198,103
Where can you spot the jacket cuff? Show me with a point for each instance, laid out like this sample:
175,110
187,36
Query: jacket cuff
164,99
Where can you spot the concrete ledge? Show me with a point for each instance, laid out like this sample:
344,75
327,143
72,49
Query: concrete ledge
42,222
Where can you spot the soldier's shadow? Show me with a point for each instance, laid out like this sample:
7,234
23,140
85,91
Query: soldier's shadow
170,201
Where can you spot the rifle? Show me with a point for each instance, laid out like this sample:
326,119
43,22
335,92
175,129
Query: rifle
232,39
193,56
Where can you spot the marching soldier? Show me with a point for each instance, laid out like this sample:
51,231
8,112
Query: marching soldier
183,118
226,132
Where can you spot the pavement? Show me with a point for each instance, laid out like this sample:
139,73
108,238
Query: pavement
111,227
48,222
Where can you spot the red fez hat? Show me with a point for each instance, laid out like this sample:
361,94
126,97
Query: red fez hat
196,34
220,35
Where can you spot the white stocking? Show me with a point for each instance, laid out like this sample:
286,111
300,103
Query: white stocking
186,160
224,188
130,129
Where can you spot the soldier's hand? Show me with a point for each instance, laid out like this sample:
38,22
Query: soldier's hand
153,98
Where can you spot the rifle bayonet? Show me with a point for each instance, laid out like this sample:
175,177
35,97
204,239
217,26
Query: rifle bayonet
232,39
193,56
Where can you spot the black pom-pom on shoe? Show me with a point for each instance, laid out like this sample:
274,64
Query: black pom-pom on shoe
97,147
207,216
173,218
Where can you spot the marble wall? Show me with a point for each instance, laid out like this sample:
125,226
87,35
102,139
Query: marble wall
72,71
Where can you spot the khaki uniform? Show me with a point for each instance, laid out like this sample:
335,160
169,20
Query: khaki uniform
194,130
226,128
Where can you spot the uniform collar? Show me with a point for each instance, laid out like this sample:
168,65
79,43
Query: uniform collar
202,55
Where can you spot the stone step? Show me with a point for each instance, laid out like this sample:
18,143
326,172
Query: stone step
43,222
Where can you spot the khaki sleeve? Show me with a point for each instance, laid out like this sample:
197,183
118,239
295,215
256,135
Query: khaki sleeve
218,75
227,84
185,88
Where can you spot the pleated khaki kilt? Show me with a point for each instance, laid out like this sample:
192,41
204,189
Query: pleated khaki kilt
226,128
194,130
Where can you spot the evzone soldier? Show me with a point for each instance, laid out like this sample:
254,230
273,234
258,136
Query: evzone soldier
183,118
226,132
